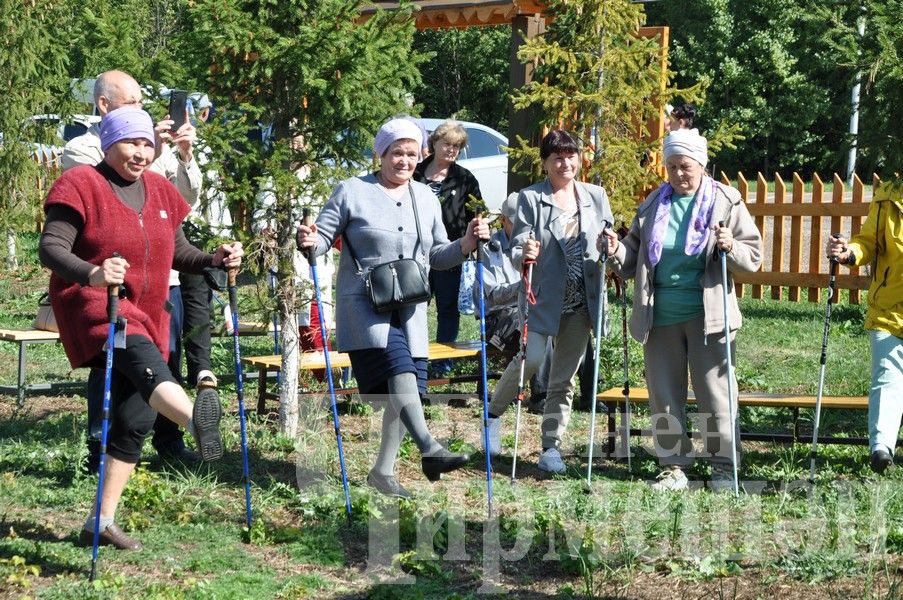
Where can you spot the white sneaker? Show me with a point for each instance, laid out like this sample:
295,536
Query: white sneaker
722,478
550,461
495,437
672,479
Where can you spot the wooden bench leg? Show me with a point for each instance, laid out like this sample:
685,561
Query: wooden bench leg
20,376
262,390
796,425
612,428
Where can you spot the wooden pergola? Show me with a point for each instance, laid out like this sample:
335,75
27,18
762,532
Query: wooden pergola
444,14
527,19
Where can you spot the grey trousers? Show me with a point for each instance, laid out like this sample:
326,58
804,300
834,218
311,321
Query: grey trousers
668,353
569,347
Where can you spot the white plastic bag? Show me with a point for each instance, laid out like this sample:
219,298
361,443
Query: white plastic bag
465,290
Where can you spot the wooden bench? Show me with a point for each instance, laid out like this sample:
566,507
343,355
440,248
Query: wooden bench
311,361
24,338
244,328
614,401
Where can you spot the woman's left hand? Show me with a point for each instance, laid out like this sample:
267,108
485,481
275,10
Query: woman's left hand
228,256
477,230
724,239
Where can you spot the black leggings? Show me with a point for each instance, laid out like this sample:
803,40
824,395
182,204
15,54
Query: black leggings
137,371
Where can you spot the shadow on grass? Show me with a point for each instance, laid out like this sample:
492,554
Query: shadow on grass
36,554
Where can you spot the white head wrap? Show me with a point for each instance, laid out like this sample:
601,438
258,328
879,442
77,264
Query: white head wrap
687,142
394,130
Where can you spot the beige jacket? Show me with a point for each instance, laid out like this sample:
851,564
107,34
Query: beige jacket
632,260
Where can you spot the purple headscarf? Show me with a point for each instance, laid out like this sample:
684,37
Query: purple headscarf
125,123
700,220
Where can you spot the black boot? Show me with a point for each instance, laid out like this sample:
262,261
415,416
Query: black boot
206,416
881,460
442,461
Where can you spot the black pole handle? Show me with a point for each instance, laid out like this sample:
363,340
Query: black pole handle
307,220
113,298
603,255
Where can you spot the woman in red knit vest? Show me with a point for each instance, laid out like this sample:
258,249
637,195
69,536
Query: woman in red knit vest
118,207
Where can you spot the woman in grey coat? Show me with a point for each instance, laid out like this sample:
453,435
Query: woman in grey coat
678,314
374,215
558,224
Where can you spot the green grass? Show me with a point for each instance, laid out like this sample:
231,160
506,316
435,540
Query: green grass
783,538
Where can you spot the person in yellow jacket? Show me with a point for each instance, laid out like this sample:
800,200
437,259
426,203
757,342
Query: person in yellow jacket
880,246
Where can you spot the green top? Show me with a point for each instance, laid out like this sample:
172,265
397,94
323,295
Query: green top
678,294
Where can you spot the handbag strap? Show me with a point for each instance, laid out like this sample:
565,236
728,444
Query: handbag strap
347,242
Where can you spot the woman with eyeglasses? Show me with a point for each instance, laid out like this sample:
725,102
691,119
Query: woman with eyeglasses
453,185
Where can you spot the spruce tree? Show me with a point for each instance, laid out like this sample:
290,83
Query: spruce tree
33,74
596,77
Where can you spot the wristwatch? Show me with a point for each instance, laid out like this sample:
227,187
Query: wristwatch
851,259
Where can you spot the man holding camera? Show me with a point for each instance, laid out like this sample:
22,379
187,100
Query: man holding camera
112,90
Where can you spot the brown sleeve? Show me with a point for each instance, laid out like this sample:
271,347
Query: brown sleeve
57,240
188,259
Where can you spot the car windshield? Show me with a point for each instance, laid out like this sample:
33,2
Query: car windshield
480,143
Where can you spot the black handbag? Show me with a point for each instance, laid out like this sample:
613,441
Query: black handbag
398,283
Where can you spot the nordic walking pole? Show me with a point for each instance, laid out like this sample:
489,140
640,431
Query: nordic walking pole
530,299
832,280
600,317
307,220
626,390
112,312
730,369
240,392
483,372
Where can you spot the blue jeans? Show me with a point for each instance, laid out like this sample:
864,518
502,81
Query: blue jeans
444,285
886,393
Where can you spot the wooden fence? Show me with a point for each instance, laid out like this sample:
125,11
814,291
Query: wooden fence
814,215
52,168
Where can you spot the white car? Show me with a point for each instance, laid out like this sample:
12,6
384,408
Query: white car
66,129
484,156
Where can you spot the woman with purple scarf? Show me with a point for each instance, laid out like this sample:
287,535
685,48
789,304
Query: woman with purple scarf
671,251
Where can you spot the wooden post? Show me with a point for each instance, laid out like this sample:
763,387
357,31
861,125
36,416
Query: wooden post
522,122
855,227
777,242
815,237
761,196
796,236
743,188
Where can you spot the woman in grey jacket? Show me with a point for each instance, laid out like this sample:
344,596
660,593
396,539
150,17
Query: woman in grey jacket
671,252
558,224
374,215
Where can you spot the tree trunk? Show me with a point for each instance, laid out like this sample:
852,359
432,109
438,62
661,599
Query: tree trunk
287,306
288,388
12,262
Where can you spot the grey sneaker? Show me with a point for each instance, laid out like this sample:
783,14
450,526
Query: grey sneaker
387,486
550,461
672,479
722,478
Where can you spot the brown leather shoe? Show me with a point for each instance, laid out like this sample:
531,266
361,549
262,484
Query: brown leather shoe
111,536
